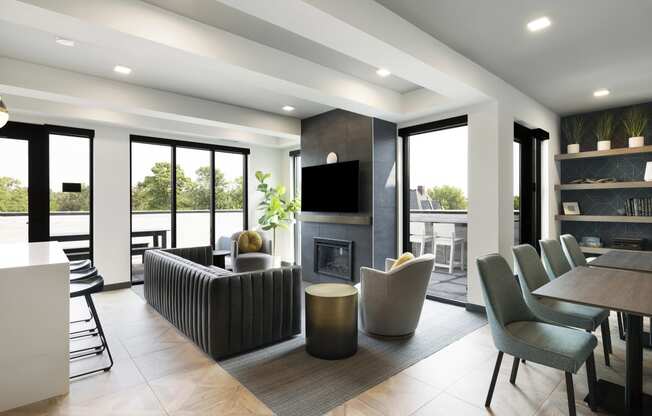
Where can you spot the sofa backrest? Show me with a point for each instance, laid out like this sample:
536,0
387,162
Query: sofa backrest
202,254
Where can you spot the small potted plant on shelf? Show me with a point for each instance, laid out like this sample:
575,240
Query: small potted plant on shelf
635,122
573,129
604,130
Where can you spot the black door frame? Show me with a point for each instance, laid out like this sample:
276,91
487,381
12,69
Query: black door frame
530,183
405,133
173,145
38,192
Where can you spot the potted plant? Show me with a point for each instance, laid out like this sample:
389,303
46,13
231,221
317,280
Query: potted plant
573,129
635,122
604,130
277,209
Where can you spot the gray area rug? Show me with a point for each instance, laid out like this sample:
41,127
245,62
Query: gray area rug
293,383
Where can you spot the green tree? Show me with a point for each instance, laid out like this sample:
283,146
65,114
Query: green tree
13,196
154,192
448,197
235,195
70,201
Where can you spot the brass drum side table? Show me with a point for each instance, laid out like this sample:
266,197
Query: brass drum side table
331,320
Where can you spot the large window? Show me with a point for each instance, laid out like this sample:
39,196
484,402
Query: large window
435,200
46,186
200,202
14,182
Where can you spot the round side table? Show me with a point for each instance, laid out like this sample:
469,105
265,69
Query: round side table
331,320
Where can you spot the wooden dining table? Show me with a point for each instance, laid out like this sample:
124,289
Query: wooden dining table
616,289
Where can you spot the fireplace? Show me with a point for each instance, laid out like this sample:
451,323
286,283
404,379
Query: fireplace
333,258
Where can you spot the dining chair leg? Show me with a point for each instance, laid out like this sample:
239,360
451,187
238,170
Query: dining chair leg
494,377
512,377
570,392
592,382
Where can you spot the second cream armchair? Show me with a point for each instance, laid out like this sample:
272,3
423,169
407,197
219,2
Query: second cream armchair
391,300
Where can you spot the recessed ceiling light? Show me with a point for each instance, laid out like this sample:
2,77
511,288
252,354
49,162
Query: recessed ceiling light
288,108
65,42
382,72
124,70
603,92
538,24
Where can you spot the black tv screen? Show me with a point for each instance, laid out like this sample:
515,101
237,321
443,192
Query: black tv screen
330,188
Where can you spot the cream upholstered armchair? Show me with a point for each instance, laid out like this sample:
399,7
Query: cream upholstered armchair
391,301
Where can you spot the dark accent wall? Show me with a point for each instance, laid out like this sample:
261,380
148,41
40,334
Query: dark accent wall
622,168
373,143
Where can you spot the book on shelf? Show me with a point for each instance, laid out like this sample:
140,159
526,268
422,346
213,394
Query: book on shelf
638,207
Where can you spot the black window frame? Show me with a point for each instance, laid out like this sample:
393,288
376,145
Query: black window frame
405,133
212,148
38,193
530,183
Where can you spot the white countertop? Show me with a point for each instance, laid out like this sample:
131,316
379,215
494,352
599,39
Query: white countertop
16,255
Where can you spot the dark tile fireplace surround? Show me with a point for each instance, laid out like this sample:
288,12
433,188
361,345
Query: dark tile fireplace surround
346,242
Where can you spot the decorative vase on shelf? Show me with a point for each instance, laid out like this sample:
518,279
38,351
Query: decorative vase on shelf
573,148
648,172
604,144
638,141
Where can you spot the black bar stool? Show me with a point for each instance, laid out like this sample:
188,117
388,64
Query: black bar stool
77,265
82,274
86,288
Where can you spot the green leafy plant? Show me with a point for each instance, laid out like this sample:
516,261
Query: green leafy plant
605,127
277,209
635,121
573,129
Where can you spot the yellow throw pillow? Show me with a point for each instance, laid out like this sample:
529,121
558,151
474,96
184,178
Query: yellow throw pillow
249,242
405,257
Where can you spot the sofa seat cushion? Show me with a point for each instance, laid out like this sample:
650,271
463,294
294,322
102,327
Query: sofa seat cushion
249,262
552,345
249,242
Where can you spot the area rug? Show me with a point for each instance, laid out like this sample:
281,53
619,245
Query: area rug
292,383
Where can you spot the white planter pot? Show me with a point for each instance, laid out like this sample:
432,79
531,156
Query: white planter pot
638,141
573,148
604,145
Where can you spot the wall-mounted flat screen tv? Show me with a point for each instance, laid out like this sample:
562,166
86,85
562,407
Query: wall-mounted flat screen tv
330,188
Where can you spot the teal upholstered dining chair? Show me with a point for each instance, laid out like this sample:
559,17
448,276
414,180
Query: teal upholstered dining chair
520,333
532,275
573,252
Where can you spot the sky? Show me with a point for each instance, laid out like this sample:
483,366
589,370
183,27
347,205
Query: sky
69,161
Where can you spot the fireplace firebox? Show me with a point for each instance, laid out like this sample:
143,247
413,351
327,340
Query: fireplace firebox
333,258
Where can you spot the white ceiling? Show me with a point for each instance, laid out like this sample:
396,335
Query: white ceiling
149,70
218,15
591,44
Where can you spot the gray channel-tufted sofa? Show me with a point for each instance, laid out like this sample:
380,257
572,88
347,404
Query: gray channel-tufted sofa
224,313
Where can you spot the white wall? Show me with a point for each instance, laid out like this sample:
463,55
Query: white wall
490,175
111,193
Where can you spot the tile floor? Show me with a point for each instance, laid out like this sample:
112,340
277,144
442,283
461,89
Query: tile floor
157,371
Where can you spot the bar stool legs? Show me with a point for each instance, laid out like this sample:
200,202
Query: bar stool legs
95,350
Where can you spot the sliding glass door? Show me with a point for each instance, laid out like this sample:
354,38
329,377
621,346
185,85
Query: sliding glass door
201,202
46,186
435,201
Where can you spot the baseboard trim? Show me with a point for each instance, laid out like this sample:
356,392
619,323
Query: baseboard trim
116,286
472,307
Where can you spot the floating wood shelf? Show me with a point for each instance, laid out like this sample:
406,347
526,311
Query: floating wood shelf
612,185
602,250
604,153
604,218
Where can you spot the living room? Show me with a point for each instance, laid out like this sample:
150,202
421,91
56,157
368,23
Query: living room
343,172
